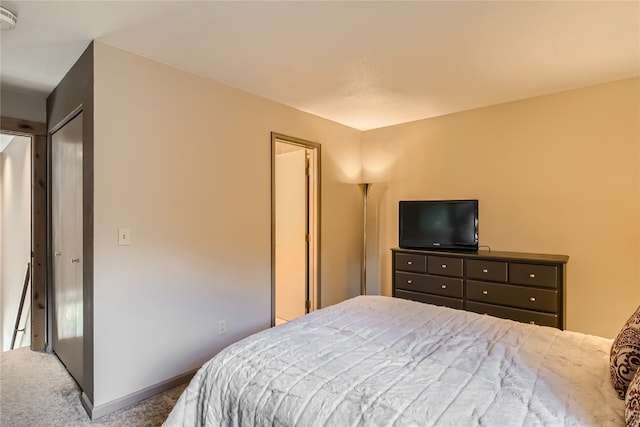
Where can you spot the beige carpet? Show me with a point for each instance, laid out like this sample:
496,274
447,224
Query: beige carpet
36,390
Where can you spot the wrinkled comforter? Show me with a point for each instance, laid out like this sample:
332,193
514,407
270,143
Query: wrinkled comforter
381,361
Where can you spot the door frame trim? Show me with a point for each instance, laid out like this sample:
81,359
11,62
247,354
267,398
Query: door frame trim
37,132
311,146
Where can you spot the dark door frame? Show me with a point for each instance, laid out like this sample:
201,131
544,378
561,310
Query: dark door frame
39,266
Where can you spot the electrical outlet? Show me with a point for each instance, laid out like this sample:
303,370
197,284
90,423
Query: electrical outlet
222,327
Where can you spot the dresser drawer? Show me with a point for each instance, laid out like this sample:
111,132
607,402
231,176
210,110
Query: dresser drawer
410,281
495,271
534,275
445,286
524,316
430,299
411,262
514,296
445,266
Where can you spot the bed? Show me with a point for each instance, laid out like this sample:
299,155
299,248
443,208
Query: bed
382,361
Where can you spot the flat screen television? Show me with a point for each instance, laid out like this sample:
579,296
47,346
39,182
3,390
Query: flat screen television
438,224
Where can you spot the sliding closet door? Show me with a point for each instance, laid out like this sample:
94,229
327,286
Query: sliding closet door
66,218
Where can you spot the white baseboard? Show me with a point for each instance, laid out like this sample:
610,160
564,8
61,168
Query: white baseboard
122,402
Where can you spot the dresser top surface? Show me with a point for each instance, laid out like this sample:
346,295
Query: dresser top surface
492,255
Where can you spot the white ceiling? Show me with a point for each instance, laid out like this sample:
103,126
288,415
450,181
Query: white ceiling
365,64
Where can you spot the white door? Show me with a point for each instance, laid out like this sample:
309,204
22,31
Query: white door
66,217
291,231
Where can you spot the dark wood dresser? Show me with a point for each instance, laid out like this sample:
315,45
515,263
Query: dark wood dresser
524,287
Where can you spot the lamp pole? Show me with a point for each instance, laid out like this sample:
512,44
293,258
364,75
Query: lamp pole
364,187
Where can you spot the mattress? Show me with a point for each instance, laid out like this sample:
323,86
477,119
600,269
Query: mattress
382,361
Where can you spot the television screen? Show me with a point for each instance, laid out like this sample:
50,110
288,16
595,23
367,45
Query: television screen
439,224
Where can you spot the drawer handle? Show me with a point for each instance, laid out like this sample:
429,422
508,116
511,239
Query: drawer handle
409,281
409,262
533,276
532,299
484,270
444,266
444,286
485,292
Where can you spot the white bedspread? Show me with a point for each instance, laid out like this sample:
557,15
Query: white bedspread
381,361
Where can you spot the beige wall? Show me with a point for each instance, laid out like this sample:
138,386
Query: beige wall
555,174
184,163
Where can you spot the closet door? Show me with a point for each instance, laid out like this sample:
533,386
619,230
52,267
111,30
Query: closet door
66,218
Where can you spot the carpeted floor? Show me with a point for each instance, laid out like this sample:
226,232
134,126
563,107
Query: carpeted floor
36,390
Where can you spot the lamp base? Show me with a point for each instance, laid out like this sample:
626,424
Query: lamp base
364,187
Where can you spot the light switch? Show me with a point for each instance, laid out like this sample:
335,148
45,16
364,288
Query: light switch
124,237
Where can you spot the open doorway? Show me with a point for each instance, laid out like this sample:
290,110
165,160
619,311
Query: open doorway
15,239
295,194
23,232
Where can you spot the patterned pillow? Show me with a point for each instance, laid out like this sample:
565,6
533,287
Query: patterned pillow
625,354
632,403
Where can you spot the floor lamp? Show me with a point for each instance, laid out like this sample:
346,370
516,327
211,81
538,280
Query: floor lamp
364,187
